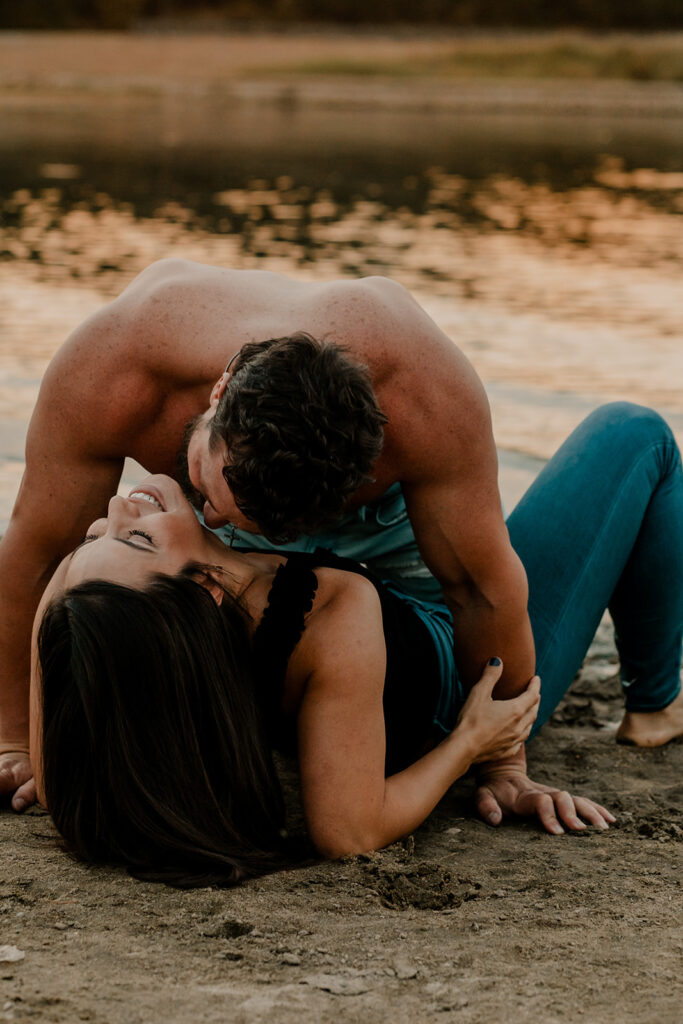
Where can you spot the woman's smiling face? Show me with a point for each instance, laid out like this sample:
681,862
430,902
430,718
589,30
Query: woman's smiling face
153,530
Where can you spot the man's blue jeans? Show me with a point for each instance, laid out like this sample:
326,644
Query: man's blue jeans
602,527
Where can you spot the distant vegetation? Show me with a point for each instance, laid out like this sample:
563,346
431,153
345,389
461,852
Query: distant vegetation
560,54
118,14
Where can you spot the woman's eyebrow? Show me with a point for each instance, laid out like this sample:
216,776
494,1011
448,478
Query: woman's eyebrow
138,547
78,547
129,543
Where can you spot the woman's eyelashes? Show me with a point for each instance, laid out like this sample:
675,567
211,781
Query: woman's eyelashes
140,533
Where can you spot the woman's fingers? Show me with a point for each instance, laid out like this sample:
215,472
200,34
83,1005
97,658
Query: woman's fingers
529,699
532,694
528,726
491,674
526,707
506,752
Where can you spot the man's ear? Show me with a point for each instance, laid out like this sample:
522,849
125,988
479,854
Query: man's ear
219,389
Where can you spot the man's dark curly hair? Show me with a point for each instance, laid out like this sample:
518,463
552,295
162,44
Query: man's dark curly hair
302,428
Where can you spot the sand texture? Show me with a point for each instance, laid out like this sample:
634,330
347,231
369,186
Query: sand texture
460,922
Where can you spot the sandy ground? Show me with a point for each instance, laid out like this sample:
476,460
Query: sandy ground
460,922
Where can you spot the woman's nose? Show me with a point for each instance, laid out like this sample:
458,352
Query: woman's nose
121,510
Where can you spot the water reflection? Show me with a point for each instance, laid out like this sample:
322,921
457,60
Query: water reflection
81,233
550,250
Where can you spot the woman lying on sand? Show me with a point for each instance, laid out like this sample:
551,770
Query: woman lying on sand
166,666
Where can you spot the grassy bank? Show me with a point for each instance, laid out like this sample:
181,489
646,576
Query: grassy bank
60,60
560,55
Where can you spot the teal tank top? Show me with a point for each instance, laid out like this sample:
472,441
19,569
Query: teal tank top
379,535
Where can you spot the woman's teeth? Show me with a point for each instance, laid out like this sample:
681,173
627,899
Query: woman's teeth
147,497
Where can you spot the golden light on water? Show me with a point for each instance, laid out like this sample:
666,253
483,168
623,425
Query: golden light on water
561,297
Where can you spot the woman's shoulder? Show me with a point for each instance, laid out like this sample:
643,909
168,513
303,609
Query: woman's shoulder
344,601
344,621
339,588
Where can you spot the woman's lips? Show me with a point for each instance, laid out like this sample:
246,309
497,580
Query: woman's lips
149,494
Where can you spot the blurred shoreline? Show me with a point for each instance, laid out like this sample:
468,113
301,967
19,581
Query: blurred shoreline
661,100
560,72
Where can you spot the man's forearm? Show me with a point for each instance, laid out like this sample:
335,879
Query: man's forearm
15,631
21,584
482,631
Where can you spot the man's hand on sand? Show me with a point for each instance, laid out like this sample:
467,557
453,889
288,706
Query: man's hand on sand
504,788
16,779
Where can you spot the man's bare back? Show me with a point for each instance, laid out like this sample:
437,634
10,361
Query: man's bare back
164,342
128,380
179,324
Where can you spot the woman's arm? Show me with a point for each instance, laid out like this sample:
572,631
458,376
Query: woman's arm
349,805
488,729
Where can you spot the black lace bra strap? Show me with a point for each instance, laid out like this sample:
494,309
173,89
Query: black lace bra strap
289,601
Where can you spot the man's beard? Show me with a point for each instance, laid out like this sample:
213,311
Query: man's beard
182,471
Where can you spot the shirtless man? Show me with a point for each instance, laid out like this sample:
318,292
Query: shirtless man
129,380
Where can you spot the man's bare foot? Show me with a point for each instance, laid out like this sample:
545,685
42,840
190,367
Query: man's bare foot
652,728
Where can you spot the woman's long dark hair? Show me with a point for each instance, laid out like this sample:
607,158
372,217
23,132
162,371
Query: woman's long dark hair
154,753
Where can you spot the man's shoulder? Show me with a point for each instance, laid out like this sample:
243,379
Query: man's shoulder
413,363
116,324
423,381
378,298
135,334
102,375
156,291
383,322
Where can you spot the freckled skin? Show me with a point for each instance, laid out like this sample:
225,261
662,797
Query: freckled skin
131,377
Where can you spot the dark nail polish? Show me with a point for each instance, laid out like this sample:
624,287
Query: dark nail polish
494,661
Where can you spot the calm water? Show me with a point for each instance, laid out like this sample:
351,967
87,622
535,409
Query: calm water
550,249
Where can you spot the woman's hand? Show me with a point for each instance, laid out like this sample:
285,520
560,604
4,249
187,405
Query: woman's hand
497,728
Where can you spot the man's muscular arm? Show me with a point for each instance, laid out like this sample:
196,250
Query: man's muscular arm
454,506
440,439
439,443
68,478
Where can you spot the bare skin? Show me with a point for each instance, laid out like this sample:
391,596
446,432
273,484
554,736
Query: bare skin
652,728
334,681
127,382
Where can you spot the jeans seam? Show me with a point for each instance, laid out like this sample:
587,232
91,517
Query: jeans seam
668,443
660,707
